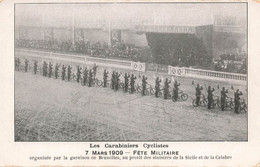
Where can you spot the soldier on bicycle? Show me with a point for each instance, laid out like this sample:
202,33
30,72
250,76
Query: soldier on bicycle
132,83
105,76
176,90
85,76
56,70
63,72
50,69
44,69
144,83
210,96
35,64
157,86
166,88
223,98
113,80
69,72
126,77
18,64
199,88
90,80
78,73
237,100
26,65
95,70
117,81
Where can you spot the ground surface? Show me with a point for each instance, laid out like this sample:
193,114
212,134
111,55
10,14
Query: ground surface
47,109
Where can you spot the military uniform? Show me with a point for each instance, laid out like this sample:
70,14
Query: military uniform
210,97
56,70
85,76
223,98
117,81
63,72
69,72
127,76
90,78
44,69
18,64
132,83
105,76
95,70
176,90
35,64
78,73
113,80
198,94
166,88
144,82
50,69
157,86
26,65
237,100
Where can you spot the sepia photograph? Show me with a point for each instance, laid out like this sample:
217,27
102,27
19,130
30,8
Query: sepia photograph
131,72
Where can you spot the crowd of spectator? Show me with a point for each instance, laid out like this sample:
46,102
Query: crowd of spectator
184,57
236,63
95,49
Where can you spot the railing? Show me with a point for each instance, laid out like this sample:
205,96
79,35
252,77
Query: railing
214,74
74,58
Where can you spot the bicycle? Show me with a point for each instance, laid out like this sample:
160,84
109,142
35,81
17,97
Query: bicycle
229,103
101,83
138,88
151,89
243,105
202,102
215,102
181,95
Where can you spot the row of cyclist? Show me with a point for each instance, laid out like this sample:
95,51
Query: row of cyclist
87,77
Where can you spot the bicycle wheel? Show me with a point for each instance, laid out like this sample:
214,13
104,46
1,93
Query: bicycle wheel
82,82
173,99
204,102
194,103
74,77
231,105
99,82
160,94
146,92
152,91
244,108
138,89
184,96
122,86
219,104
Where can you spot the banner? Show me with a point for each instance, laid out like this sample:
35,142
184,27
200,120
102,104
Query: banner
177,71
138,66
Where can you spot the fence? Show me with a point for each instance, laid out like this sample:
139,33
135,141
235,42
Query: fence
41,55
206,74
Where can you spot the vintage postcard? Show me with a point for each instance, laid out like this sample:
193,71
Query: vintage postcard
121,83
